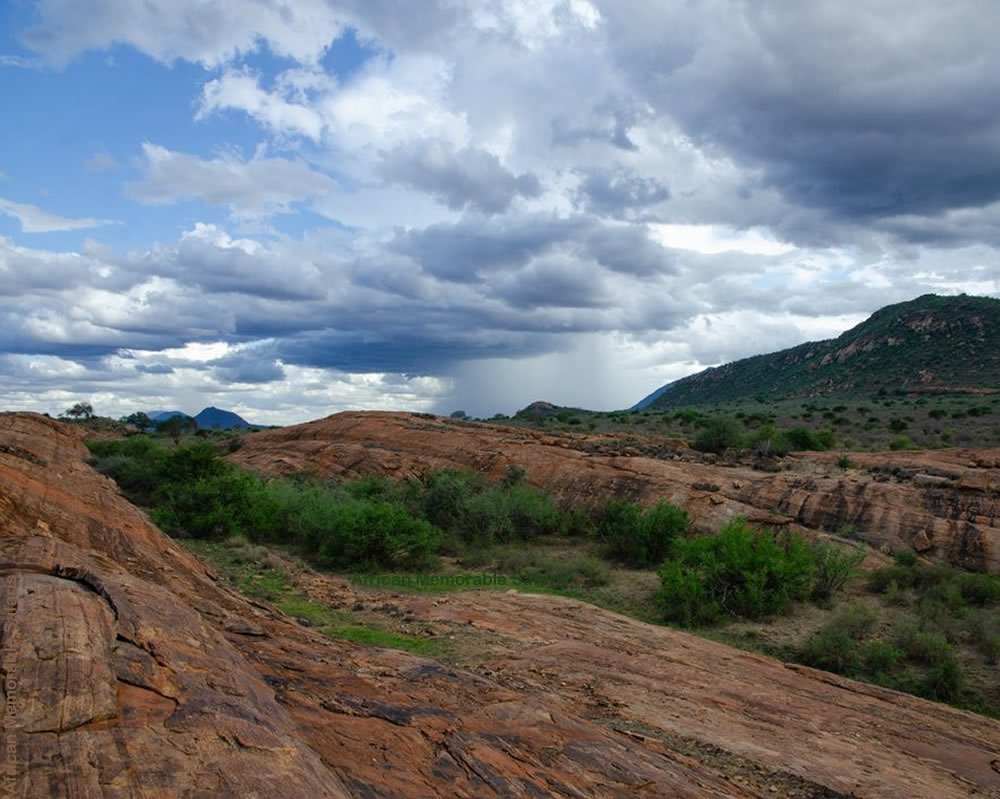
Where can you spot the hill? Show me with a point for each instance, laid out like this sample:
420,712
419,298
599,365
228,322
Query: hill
210,418
162,416
217,419
929,345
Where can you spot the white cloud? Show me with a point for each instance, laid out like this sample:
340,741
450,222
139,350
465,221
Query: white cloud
241,90
36,220
208,33
259,187
714,239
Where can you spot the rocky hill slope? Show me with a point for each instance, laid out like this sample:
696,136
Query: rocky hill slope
941,503
929,345
129,669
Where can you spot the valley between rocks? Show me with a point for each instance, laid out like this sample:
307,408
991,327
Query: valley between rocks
132,669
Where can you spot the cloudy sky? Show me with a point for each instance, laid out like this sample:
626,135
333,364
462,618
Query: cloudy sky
295,207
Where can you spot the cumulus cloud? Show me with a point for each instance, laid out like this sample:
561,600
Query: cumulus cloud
466,178
260,186
686,183
208,33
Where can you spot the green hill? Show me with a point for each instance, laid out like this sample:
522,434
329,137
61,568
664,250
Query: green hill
929,345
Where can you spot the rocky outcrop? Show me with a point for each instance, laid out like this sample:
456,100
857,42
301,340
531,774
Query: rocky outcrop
886,500
129,669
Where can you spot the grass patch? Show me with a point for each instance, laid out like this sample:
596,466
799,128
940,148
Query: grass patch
243,565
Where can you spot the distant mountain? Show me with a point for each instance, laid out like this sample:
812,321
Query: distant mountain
932,344
162,416
649,399
218,419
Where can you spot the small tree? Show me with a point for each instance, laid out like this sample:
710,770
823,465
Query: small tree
176,427
137,419
81,410
459,415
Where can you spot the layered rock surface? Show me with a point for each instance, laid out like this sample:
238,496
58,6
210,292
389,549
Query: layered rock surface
129,670
941,503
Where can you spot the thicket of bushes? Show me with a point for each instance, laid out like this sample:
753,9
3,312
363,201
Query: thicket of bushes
918,653
374,522
371,522
719,433
746,573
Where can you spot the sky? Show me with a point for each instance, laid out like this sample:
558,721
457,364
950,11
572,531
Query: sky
290,208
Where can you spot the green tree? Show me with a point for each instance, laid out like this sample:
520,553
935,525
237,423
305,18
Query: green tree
176,427
81,410
137,419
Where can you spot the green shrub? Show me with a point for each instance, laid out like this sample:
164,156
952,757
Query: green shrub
218,505
979,589
880,658
739,573
802,438
834,566
719,434
375,534
446,493
944,680
638,538
832,649
835,646
984,629
767,441
500,515
930,647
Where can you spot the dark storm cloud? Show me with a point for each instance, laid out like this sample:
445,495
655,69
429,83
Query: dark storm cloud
248,366
403,351
208,259
619,193
155,369
865,111
628,250
553,284
460,179
463,251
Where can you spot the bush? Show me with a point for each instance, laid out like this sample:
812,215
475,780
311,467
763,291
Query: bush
979,589
641,539
944,681
373,534
768,441
831,649
930,647
445,495
835,646
834,567
984,628
739,573
719,434
880,658
499,515
802,438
